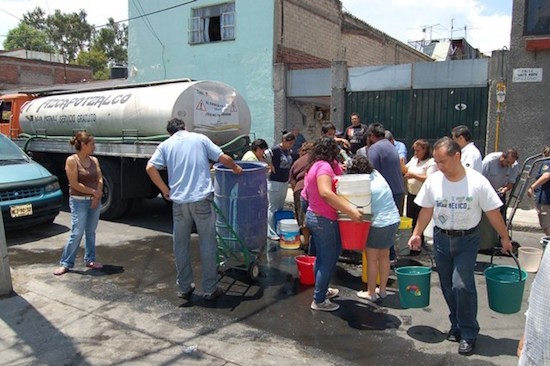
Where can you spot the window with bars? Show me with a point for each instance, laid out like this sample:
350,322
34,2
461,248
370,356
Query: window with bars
212,23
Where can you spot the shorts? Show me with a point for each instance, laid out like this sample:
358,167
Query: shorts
382,237
543,212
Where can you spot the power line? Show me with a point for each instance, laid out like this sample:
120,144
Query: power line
147,14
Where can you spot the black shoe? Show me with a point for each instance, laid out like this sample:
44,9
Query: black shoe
187,295
453,335
466,346
214,295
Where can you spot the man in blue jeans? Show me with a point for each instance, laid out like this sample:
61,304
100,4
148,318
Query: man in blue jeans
455,197
186,156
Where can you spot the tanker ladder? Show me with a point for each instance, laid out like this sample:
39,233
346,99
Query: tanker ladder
232,252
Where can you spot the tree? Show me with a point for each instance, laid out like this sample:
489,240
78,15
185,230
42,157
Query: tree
28,38
97,60
113,41
73,37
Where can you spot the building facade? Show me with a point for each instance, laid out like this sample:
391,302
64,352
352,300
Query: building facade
525,78
254,46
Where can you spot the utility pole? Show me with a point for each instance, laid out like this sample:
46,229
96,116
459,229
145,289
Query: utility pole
5,275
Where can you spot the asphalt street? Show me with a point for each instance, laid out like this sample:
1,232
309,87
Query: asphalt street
129,313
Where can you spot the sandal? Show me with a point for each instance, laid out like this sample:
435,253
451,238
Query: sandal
94,265
60,271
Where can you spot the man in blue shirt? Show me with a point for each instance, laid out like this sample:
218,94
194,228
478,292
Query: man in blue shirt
186,156
399,146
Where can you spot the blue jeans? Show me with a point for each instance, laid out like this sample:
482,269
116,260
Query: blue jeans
328,246
311,244
455,258
84,220
204,216
276,194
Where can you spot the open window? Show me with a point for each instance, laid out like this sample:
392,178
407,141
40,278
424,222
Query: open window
212,23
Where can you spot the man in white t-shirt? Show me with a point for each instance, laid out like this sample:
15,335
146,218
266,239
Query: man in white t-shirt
455,197
470,155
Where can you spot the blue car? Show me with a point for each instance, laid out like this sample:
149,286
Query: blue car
29,194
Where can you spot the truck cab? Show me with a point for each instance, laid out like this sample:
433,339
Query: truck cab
9,121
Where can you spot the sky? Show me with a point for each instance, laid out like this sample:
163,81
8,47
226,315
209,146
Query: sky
487,22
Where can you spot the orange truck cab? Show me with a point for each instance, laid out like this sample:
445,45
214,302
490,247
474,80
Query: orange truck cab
10,105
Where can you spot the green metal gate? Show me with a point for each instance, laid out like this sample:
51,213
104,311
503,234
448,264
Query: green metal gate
423,113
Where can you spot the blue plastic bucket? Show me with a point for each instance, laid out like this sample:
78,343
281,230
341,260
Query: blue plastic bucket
242,199
414,286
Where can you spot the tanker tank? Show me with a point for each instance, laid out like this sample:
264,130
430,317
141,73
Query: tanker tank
209,107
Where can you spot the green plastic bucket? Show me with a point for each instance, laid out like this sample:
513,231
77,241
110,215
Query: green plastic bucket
505,285
414,286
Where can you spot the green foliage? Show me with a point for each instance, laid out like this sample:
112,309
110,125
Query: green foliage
95,59
28,38
73,37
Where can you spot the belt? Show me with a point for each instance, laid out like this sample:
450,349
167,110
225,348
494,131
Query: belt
457,232
82,198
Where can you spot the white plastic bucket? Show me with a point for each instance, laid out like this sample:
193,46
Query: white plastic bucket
289,234
356,189
529,258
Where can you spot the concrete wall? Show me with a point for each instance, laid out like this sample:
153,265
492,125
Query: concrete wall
525,124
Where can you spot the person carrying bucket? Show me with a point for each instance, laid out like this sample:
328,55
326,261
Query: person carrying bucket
384,225
455,197
321,218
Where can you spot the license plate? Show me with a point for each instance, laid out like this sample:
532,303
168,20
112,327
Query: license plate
21,210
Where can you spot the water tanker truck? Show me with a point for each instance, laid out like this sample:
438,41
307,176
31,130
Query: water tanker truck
128,122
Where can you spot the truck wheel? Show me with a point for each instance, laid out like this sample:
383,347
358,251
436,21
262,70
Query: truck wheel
112,205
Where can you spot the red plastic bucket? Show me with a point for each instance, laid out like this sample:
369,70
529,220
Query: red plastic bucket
353,234
305,265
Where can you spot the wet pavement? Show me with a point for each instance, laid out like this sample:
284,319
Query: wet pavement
272,312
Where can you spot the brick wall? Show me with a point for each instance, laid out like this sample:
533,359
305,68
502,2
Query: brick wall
316,32
18,73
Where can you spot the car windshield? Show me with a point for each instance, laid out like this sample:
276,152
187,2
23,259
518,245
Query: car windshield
10,152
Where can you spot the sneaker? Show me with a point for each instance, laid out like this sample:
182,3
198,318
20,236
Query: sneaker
466,346
453,335
187,294
274,238
214,295
326,305
365,295
332,293
381,294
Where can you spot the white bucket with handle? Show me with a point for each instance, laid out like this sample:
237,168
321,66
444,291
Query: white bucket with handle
355,188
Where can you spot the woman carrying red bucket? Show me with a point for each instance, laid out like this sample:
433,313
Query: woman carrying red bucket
321,218
384,225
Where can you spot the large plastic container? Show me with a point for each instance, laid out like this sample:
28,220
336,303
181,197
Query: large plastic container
414,286
356,189
306,273
242,199
529,258
289,234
